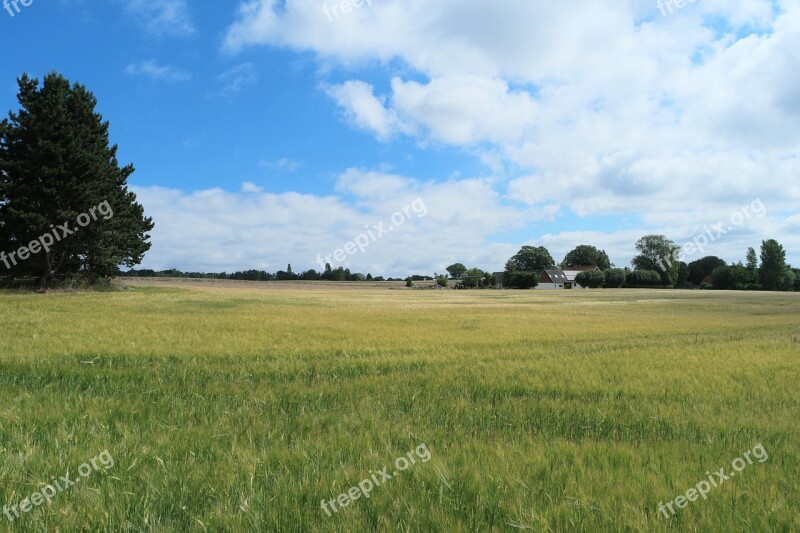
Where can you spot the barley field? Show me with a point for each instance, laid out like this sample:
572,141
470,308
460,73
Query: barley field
245,407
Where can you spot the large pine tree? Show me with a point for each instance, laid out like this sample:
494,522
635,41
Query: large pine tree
55,165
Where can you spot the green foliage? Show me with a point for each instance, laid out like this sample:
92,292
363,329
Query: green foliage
703,267
456,270
409,283
531,259
615,278
520,280
473,278
683,276
587,255
643,278
57,164
442,281
656,254
592,279
787,280
732,277
773,265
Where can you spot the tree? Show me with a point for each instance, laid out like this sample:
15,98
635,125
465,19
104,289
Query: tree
531,259
787,279
657,253
586,255
752,259
592,279
520,280
703,267
57,167
643,278
456,270
773,264
733,277
615,278
683,276
473,278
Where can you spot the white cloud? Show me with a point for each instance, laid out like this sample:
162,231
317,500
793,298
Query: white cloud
162,17
602,107
153,70
237,78
364,109
214,230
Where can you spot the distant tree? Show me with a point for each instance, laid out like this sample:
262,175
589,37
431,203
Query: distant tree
472,278
703,267
456,270
615,278
57,166
773,265
796,279
752,260
592,279
656,253
683,276
441,281
732,277
531,259
787,280
586,255
520,280
641,278
409,283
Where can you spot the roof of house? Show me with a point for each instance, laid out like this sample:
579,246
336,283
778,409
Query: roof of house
557,276
572,271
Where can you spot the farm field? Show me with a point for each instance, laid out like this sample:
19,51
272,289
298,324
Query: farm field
235,408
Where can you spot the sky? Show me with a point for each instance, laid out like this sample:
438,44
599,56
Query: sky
397,137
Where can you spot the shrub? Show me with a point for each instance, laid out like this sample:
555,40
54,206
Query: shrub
521,280
642,278
592,279
615,278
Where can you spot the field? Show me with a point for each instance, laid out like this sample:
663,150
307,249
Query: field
243,407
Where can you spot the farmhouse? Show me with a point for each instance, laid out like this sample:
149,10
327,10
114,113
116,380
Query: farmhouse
552,279
562,279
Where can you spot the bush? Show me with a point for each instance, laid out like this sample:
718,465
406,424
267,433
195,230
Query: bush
615,278
592,279
521,280
643,278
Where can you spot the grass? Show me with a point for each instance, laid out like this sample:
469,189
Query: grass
241,409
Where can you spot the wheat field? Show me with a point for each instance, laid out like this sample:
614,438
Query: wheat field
243,408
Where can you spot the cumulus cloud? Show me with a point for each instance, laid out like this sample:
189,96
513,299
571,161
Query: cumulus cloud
162,17
216,230
601,107
153,70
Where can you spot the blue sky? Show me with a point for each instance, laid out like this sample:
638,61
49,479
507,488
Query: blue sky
269,132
